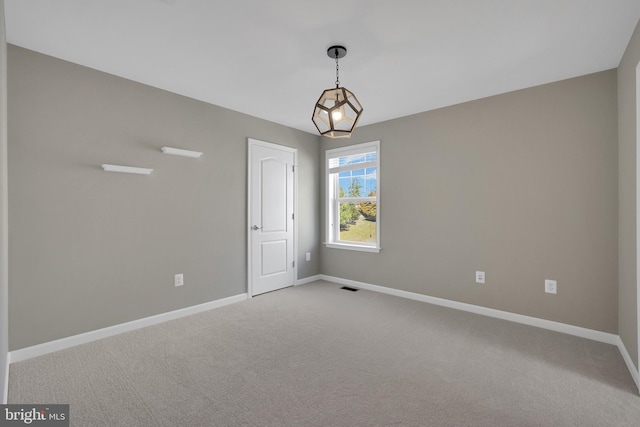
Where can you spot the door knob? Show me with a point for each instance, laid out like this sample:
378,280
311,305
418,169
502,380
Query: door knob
255,227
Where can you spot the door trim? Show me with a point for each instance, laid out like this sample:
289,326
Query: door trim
251,142
637,260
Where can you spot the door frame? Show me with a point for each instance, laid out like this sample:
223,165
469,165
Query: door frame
251,142
637,102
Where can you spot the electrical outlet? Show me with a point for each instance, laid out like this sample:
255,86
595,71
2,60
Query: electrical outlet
308,256
178,280
479,276
551,286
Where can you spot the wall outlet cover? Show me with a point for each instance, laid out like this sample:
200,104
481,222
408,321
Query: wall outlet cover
178,280
480,277
551,286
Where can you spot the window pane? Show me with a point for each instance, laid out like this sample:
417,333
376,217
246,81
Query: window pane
357,183
370,182
355,188
344,187
358,222
352,159
370,187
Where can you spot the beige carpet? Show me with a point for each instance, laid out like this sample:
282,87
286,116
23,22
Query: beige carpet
316,355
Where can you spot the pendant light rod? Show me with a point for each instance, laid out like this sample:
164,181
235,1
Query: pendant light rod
337,52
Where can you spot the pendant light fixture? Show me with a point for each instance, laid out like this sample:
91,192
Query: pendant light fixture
337,111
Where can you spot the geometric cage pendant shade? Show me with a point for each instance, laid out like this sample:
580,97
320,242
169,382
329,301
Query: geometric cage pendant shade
337,111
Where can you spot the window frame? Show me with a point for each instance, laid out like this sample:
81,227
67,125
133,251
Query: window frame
332,213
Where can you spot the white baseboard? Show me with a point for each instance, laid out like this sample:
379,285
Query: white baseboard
5,390
308,280
63,343
630,366
505,315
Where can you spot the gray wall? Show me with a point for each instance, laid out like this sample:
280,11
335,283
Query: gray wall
4,307
522,186
90,249
628,300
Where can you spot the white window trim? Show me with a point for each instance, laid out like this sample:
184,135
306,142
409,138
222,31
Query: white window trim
352,247
331,240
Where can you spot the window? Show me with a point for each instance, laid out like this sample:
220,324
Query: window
353,197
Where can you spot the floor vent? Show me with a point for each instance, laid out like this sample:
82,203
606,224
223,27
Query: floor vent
346,288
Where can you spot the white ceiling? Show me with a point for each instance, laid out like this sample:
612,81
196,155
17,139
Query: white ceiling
267,58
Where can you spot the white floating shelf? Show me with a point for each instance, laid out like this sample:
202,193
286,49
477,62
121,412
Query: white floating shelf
181,152
126,169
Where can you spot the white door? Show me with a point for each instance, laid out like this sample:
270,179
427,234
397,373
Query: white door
270,216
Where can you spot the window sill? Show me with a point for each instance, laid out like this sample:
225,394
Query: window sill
353,247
